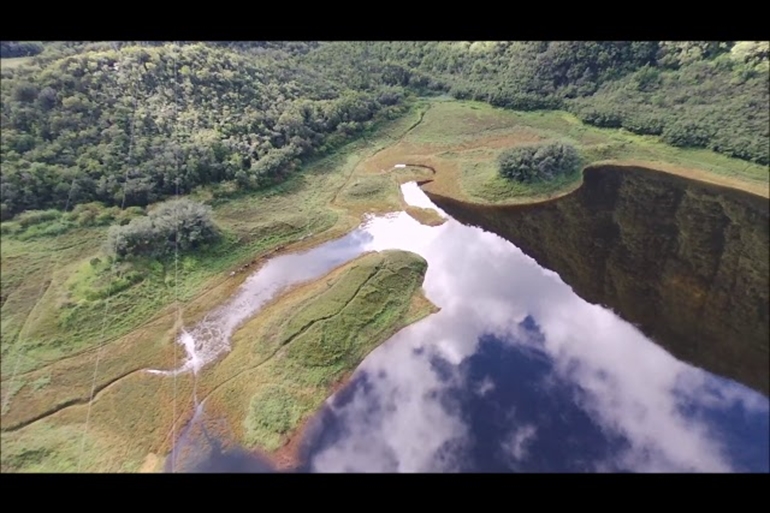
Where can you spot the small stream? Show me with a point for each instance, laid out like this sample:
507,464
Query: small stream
516,373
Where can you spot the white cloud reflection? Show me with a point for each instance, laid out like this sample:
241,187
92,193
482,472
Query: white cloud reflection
517,445
483,284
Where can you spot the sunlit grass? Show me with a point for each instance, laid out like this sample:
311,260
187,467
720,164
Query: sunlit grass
70,301
287,358
467,138
14,62
125,425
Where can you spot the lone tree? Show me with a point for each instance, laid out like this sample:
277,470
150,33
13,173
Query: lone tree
178,224
538,162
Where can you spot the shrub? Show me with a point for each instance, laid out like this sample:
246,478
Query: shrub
686,133
601,117
644,123
51,229
33,217
178,224
538,162
125,216
91,214
9,227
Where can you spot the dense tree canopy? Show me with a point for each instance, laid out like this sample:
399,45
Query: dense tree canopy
142,120
694,94
538,162
720,104
177,225
129,123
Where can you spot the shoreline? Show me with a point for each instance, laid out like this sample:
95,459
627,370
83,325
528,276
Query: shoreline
419,153
700,177
289,457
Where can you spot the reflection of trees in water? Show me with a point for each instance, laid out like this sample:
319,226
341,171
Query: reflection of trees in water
685,261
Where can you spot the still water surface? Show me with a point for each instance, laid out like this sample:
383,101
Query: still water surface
516,373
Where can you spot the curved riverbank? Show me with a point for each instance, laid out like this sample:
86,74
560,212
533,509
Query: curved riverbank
441,184
515,365
685,260
287,360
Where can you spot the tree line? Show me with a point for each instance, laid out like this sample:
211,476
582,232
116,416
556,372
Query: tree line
703,94
146,121
9,49
94,121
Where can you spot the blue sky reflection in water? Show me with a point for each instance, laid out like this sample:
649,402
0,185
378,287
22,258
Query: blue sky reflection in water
518,373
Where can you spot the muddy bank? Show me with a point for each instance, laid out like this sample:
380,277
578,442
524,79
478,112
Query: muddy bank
685,261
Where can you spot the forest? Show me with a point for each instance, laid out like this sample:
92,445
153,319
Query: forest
131,123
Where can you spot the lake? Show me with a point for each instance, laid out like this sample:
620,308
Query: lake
515,373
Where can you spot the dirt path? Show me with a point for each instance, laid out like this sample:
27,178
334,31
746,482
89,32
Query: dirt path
383,148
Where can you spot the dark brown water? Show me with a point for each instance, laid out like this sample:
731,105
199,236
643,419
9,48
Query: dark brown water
686,262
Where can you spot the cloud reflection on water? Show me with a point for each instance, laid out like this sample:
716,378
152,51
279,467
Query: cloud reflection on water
581,389
515,373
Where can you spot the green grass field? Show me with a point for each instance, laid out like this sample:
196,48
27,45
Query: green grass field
463,140
64,307
286,361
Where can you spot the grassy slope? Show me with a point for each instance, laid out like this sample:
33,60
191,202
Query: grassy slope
55,361
463,139
45,278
